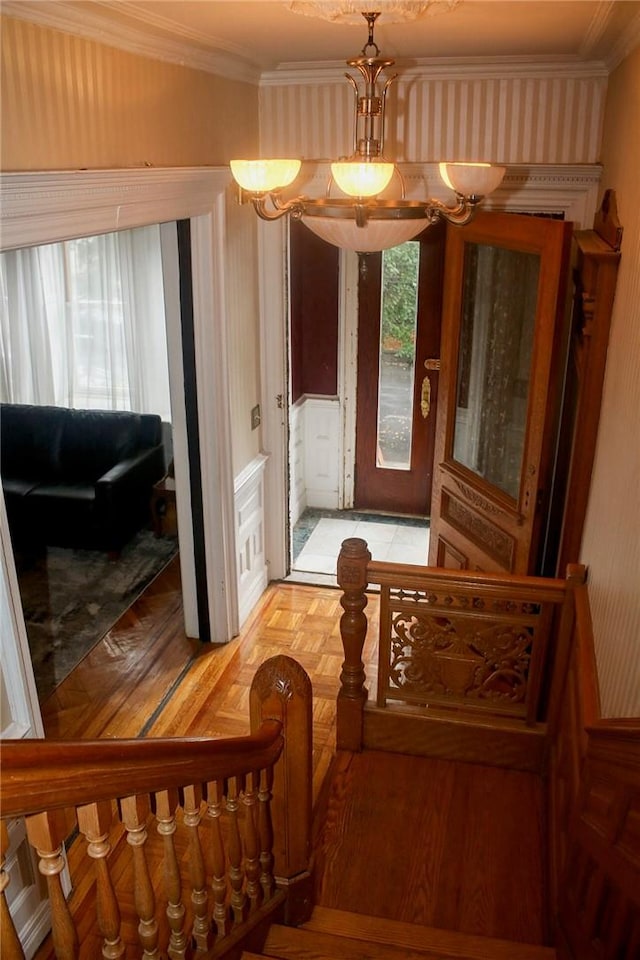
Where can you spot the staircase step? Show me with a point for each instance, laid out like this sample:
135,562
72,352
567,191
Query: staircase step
338,935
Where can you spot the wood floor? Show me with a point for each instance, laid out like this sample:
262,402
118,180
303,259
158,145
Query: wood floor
446,844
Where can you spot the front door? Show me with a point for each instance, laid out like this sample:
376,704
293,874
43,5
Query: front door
399,309
503,352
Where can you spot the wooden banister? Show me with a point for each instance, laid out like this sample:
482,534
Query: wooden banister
51,774
452,644
219,881
594,799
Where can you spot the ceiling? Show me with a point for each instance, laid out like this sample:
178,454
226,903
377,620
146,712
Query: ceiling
265,35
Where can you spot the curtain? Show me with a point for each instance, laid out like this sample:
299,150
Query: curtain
83,325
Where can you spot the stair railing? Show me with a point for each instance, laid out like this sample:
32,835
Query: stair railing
593,802
484,645
231,847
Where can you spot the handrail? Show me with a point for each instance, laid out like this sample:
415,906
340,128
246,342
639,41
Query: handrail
412,576
594,791
240,807
40,775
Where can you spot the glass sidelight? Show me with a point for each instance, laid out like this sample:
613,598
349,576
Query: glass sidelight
397,355
500,289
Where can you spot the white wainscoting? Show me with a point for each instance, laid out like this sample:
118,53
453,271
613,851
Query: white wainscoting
297,481
322,439
249,511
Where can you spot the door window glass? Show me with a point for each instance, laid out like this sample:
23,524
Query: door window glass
398,318
494,362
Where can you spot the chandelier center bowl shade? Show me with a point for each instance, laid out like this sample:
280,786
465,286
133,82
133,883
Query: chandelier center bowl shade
362,220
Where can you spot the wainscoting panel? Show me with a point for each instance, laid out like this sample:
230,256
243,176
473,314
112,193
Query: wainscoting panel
249,512
322,452
297,486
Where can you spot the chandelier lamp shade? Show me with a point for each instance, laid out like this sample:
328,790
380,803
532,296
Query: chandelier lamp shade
361,219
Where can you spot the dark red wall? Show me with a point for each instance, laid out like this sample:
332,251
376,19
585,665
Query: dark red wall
314,314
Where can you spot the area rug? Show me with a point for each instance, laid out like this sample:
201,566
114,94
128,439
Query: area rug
72,598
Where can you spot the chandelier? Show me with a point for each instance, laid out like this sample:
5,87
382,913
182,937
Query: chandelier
361,219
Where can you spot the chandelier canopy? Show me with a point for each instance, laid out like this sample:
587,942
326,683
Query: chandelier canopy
361,220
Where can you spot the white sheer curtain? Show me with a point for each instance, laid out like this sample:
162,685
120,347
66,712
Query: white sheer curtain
82,324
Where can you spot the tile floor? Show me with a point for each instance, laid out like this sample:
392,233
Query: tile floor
318,537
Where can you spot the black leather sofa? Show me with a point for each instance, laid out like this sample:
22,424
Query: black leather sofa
77,478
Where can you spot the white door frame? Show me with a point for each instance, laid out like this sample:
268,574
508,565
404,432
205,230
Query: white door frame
47,207
273,285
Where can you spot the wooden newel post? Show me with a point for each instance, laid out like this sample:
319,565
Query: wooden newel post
352,578
575,579
281,690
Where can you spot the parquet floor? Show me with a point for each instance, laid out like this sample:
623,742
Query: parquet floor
435,842
145,678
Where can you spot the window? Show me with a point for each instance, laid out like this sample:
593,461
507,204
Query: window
83,324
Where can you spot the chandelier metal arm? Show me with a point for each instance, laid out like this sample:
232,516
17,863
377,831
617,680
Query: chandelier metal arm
277,208
270,206
459,215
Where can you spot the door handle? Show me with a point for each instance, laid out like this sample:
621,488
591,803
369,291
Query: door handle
425,397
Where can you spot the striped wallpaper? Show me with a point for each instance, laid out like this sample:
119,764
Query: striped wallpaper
611,542
509,119
71,102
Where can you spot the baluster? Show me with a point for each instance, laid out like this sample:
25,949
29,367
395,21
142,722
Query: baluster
236,876
166,803
265,830
201,931
11,947
94,820
251,846
134,813
352,578
215,793
47,832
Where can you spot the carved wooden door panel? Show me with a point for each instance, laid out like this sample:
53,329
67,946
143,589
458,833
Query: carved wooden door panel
502,361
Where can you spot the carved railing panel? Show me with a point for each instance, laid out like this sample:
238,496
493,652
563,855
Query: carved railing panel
197,855
485,643
452,649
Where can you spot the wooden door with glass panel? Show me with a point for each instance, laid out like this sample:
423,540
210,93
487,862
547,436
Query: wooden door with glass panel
399,311
502,361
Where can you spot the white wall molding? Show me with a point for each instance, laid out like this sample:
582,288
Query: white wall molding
249,535
139,38
430,68
214,417
145,33
65,204
568,189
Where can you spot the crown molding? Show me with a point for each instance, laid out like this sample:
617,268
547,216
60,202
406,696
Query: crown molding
626,44
480,68
234,64
92,24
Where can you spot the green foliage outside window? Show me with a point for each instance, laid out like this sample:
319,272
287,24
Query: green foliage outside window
400,299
